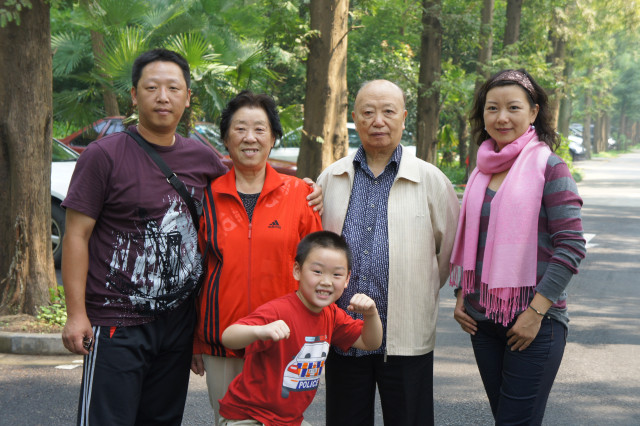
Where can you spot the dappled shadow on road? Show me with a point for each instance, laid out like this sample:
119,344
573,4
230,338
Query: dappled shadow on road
623,216
604,297
461,411
601,329
579,401
615,245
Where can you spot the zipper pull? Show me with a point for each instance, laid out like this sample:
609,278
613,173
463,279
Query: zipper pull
385,355
249,230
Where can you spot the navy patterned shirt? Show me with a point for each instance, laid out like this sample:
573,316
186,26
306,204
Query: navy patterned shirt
366,231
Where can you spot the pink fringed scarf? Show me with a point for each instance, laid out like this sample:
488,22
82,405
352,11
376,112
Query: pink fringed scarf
511,251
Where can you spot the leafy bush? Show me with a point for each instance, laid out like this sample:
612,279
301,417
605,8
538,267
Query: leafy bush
455,174
56,313
564,153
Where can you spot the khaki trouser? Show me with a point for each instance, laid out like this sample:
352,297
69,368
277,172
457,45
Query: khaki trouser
220,372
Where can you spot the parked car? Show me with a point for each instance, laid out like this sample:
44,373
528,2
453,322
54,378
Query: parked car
576,147
63,162
289,147
204,132
576,129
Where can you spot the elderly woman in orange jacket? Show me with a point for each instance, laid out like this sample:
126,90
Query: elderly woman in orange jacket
253,219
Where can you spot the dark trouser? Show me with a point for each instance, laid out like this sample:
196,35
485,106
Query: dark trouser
139,374
518,383
405,384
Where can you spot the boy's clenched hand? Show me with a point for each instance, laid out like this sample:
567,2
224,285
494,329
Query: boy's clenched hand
275,331
362,304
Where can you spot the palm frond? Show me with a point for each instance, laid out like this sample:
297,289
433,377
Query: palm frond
250,69
106,16
119,53
192,46
79,107
291,117
161,18
69,50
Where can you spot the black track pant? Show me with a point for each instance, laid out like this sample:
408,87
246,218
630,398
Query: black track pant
139,375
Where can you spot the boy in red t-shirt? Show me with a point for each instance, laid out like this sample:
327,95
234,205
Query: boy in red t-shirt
287,340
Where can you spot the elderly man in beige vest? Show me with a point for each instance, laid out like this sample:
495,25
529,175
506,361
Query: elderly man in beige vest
399,215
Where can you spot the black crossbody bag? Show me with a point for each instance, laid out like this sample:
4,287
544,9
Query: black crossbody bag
195,208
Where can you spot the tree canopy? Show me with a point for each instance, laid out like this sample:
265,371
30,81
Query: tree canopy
264,45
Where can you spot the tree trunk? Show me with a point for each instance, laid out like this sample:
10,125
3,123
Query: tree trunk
512,30
557,60
463,138
428,93
324,138
586,125
565,103
26,260
606,126
109,97
622,127
484,57
597,134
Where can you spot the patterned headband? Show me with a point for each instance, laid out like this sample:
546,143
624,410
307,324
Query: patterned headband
519,78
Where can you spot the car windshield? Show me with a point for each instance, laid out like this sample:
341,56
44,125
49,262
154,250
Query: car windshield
60,152
211,132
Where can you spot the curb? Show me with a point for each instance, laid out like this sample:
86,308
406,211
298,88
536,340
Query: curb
32,344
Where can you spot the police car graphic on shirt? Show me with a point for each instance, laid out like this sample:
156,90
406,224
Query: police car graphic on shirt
303,372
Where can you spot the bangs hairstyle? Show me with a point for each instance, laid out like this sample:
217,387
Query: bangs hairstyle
535,95
159,55
322,239
246,98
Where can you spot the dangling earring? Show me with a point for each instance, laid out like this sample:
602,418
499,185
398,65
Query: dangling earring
533,127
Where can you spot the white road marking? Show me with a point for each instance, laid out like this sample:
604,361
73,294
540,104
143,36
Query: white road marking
589,237
76,363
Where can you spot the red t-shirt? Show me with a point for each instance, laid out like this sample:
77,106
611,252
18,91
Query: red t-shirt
280,379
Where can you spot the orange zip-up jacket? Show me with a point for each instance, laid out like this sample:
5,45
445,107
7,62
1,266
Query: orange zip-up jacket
247,264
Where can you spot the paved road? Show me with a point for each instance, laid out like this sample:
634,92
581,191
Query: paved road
598,382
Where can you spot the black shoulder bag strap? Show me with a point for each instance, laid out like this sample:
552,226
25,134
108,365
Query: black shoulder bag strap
194,207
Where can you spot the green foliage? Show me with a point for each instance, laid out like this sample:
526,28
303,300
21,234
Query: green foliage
564,153
385,43
460,25
262,45
447,142
291,118
69,51
221,63
56,312
10,11
455,174
456,92
61,129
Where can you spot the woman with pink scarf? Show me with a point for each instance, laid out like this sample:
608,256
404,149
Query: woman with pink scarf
518,244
